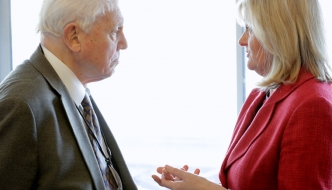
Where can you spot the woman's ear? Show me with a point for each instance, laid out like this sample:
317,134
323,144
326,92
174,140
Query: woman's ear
71,37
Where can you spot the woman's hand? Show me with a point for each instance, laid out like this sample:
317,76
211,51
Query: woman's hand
180,179
168,176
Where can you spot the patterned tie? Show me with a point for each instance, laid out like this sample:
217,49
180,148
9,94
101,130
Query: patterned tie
110,176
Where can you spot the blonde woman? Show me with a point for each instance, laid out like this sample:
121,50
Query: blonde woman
283,136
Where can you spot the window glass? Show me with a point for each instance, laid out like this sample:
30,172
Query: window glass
172,99
25,40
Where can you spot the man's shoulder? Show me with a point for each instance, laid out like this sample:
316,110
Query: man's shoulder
24,82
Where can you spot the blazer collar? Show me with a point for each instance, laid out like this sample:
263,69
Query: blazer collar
39,61
254,117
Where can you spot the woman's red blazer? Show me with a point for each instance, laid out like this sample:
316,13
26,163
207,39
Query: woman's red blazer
284,143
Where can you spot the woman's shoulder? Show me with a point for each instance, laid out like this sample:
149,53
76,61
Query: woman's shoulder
313,88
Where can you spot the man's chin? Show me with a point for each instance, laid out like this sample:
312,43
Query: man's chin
102,77
108,74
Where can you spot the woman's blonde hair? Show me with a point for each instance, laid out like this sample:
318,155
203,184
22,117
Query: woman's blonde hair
292,33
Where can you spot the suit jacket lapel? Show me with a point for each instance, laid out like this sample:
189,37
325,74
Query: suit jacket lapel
82,140
44,67
117,158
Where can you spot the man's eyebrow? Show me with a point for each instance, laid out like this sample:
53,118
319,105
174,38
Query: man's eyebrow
121,21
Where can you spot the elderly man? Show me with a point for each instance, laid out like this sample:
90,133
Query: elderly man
52,134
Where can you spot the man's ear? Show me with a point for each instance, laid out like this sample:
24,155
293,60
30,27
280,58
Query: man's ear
71,37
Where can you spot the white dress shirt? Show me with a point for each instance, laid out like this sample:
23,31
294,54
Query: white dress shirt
74,86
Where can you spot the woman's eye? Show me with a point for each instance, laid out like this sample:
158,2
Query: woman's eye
248,29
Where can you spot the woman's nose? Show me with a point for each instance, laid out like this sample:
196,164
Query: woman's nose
243,41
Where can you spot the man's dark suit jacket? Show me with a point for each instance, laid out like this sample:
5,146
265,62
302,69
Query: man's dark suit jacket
43,141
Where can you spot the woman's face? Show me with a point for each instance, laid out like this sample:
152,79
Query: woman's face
257,57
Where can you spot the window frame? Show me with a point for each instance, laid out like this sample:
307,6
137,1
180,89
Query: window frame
5,38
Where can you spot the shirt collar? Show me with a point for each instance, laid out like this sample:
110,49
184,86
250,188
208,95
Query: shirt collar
73,84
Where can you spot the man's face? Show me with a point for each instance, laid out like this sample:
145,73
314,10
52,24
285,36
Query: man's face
100,48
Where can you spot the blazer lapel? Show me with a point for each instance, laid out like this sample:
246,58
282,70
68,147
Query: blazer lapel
248,128
254,118
44,67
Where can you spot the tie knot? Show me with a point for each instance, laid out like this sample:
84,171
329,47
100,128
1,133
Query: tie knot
86,103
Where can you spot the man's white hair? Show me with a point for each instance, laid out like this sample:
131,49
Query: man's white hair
56,14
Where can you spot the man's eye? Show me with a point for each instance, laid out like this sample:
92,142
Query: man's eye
114,32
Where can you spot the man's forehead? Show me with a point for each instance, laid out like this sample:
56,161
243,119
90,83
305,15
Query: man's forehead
112,19
116,17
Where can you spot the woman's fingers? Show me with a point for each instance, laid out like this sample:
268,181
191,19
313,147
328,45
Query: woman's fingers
167,175
185,168
160,170
175,172
197,171
170,175
156,179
